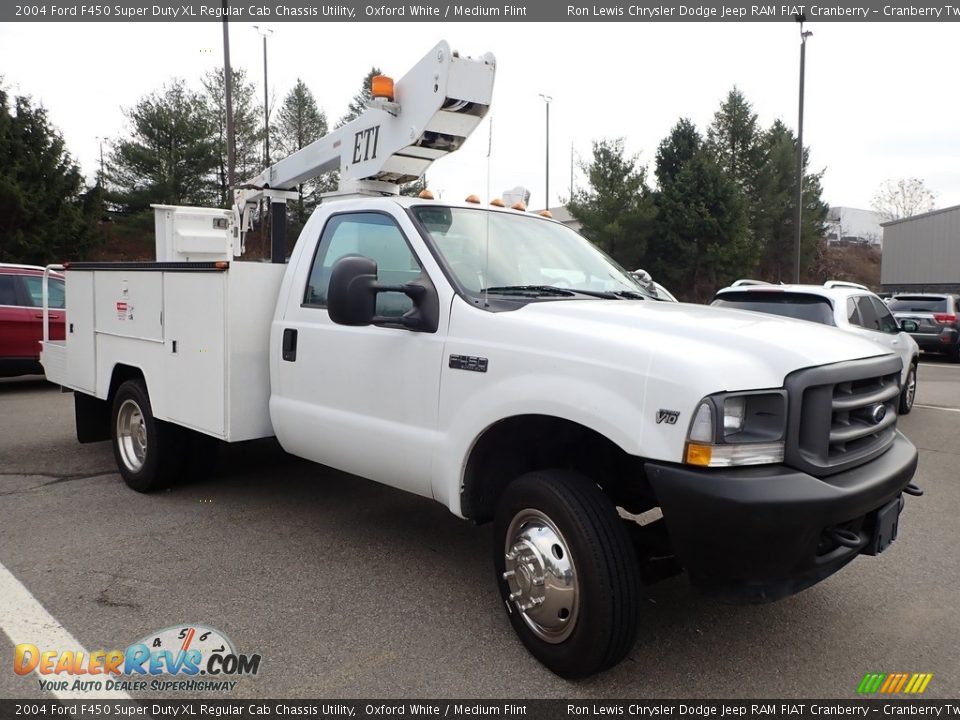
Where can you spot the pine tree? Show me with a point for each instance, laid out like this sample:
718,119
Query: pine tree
299,123
775,215
616,211
703,239
41,210
170,155
247,128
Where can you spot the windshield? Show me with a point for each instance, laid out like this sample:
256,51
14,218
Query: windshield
507,254
791,305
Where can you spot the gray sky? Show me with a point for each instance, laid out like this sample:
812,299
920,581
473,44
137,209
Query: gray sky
880,97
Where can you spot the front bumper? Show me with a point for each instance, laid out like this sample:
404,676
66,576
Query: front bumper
765,532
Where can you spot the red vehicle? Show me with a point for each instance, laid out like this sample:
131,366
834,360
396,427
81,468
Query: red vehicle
21,317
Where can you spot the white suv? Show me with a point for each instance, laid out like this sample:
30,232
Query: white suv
848,306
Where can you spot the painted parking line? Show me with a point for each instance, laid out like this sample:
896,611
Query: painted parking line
937,407
24,620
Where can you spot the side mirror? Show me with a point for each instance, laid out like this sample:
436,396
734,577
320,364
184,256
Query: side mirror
352,297
909,326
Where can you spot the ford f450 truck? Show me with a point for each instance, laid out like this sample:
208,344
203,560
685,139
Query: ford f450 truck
497,362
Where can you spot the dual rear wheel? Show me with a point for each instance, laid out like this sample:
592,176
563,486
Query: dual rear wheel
152,454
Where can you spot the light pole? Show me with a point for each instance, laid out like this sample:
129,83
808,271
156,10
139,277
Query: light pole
265,33
100,175
799,229
228,99
547,100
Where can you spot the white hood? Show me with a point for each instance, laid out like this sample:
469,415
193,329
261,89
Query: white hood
733,348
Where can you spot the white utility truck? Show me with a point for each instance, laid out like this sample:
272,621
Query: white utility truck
497,362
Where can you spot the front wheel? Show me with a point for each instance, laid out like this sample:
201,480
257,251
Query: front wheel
567,572
909,392
149,452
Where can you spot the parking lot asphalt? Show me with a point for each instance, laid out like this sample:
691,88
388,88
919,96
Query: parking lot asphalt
353,590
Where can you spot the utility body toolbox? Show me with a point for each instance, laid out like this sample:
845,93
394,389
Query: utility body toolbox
199,332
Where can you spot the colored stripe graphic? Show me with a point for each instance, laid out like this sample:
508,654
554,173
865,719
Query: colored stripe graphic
894,683
871,683
903,680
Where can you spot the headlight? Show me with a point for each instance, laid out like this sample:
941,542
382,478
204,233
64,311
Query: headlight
738,429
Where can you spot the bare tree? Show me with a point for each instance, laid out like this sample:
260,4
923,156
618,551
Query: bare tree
902,198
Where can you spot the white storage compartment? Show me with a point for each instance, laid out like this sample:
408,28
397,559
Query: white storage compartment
193,234
198,332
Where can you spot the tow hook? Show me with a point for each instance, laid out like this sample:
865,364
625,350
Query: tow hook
913,489
846,538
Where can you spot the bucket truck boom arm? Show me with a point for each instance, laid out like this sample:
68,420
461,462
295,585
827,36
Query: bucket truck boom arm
433,109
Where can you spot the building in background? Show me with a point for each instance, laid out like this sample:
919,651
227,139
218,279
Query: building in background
853,226
922,253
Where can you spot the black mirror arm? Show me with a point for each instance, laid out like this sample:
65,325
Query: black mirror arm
411,290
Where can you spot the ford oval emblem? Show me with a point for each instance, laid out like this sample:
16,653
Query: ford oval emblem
878,414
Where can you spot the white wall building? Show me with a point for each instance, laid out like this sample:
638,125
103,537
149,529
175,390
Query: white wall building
853,226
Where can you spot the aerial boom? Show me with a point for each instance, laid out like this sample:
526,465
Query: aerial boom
434,108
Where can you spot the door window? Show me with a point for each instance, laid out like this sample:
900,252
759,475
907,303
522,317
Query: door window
868,313
8,290
55,294
373,235
884,318
853,315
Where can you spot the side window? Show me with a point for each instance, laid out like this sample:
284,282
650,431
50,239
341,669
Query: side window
375,236
55,292
8,290
868,313
853,315
884,318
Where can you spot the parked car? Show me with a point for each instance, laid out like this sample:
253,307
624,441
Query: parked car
21,317
936,319
847,306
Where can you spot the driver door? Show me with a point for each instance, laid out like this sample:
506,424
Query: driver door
360,399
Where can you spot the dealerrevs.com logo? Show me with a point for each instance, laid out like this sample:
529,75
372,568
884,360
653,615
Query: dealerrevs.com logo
190,658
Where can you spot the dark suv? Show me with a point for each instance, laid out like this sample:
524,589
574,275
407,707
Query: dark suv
936,318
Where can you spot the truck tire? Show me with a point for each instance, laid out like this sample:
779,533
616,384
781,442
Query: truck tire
909,392
149,452
567,572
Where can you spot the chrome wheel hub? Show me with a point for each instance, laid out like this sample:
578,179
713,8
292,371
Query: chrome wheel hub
132,435
541,576
911,388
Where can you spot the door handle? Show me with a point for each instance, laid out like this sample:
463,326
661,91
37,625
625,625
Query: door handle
290,344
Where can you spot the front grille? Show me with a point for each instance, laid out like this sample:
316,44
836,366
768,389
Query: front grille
842,415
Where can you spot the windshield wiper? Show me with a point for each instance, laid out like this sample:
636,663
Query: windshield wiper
634,295
529,290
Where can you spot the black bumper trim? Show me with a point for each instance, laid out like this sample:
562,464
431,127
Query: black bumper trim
756,533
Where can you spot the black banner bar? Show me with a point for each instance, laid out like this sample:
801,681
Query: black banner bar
459,709
476,10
